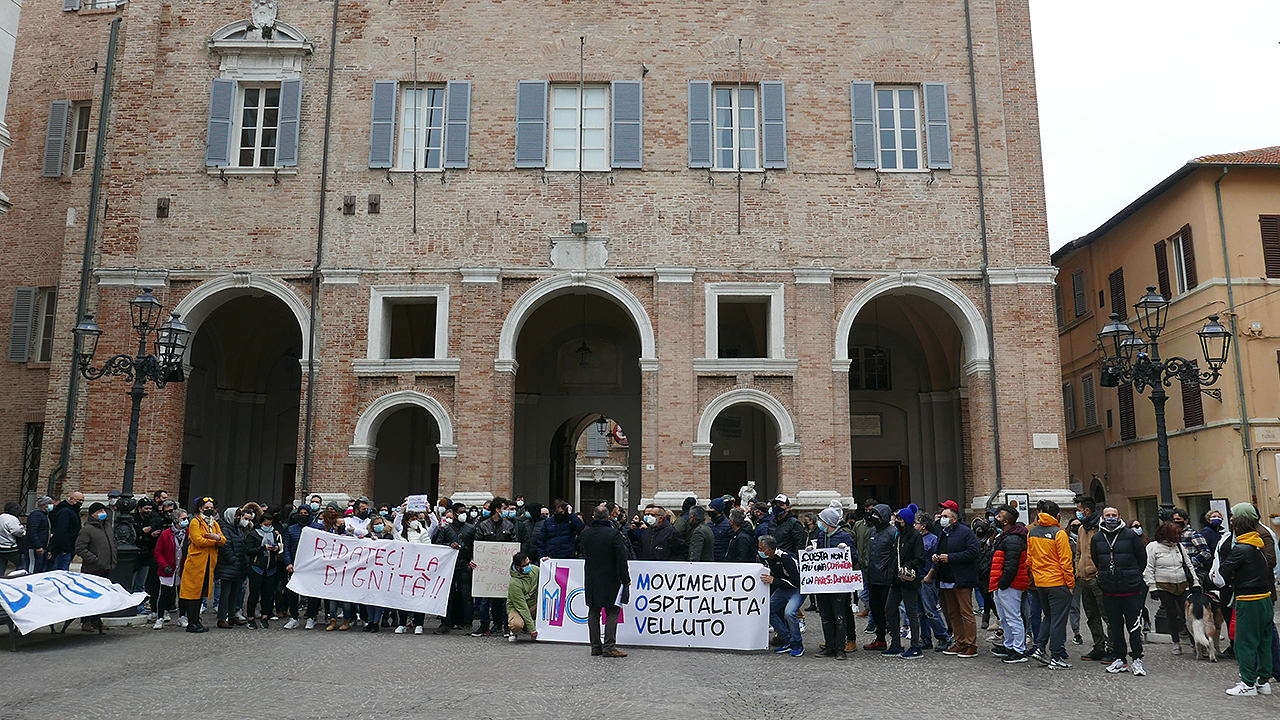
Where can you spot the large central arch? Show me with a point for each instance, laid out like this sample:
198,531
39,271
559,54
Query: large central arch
575,283
198,304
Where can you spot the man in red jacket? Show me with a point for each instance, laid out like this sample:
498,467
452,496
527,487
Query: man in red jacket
1008,582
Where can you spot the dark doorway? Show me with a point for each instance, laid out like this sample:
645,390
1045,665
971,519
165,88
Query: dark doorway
887,482
408,461
727,477
744,447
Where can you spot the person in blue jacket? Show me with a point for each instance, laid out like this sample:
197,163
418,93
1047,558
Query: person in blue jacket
559,537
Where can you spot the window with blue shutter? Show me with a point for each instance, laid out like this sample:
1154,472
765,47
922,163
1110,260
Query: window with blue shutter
937,126
863,98
627,103
22,323
290,116
55,138
700,129
773,123
531,124
382,127
222,102
457,123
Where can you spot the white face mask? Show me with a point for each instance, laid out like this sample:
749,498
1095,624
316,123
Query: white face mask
519,503
415,525
440,512
457,521
246,522
944,521
474,514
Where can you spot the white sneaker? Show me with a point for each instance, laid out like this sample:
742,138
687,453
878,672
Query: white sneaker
417,630
1177,649
311,623
399,629
182,620
802,626
1136,668
1263,688
1241,689
159,624
511,638
1118,666
293,623
240,616
151,617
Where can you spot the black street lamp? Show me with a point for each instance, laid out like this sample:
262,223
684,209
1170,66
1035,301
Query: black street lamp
161,368
1127,358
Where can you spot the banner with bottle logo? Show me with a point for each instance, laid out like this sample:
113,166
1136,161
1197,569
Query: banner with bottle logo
674,604
48,598
385,573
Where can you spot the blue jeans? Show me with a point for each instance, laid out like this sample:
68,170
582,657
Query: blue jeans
932,623
62,561
493,610
784,608
1030,615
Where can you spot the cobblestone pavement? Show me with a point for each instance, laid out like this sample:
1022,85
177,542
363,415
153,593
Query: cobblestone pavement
141,674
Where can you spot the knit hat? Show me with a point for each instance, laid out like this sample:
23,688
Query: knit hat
908,514
43,500
690,502
831,517
96,507
1244,509
718,504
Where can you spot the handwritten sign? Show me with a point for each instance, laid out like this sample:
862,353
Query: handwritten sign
493,568
416,503
383,573
33,601
828,570
672,604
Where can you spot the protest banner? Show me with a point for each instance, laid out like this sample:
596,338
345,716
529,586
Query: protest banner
416,503
828,570
33,601
384,573
493,568
673,604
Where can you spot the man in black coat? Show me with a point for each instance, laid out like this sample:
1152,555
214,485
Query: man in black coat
606,579
64,528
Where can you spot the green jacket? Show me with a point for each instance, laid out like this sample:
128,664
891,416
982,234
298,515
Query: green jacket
861,532
522,593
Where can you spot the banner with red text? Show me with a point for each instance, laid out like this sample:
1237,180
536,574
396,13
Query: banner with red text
383,573
828,570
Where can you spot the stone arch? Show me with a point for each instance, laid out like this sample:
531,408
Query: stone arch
771,406
198,304
362,444
567,284
973,329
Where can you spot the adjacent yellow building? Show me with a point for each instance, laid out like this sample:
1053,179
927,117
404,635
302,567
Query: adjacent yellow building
1208,238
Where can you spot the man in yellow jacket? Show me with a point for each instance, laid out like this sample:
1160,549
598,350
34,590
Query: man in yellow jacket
1052,569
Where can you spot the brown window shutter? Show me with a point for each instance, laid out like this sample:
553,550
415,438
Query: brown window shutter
1119,305
1271,244
1189,257
1162,269
1192,403
1128,426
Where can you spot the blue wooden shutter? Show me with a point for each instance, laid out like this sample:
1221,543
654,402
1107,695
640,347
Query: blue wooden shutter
701,148
290,115
937,126
863,97
773,123
55,138
531,124
627,107
22,323
382,127
222,103
457,123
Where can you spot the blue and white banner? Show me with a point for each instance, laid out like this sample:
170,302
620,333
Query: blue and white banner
672,604
47,598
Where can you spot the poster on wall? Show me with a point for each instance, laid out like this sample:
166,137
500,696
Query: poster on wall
673,604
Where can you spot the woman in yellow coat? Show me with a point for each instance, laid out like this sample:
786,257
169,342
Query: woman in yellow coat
204,537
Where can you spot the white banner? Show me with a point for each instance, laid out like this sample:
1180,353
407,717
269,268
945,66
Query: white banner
47,598
672,604
383,573
492,574
828,570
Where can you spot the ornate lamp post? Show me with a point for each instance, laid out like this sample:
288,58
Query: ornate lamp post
1127,358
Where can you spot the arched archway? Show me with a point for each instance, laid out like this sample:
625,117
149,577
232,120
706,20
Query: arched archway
744,432
575,284
370,421
198,304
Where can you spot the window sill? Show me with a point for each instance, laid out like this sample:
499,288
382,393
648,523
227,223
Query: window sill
585,170
89,11
248,171
38,365
733,366
406,366
735,170
918,171
1074,322
410,171
1084,431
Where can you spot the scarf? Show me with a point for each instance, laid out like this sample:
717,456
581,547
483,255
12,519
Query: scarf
1250,538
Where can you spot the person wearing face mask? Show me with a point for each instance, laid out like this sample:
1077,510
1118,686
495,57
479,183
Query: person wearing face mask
606,580
719,526
1211,529
269,560
204,538
957,557
742,541
782,575
1054,576
878,570
292,535
38,535
908,549
233,562
559,538
1120,556
702,542
1170,576
1247,567
1196,545
522,596
96,547
168,557
1087,587
833,608
785,527
358,522
1008,581
863,527
379,530
658,540
64,527
458,534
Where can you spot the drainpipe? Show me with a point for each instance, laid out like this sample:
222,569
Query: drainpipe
315,268
1245,431
986,257
86,266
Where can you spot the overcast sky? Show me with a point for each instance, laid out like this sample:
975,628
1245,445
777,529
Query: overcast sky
1130,90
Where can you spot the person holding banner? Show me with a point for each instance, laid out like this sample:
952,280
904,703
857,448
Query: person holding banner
97,550
460,535
833,607
606,580
783,577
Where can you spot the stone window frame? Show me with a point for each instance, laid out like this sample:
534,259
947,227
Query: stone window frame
376,362
776,360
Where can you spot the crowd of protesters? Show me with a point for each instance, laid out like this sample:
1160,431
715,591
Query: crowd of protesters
927,576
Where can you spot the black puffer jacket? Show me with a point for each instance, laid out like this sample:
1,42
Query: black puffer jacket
233,559
882,566
1120,557
742,546
909,554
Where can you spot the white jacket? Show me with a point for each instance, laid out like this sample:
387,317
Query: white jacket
1165,564
11,528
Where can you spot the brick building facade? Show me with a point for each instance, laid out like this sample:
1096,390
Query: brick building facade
787,272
